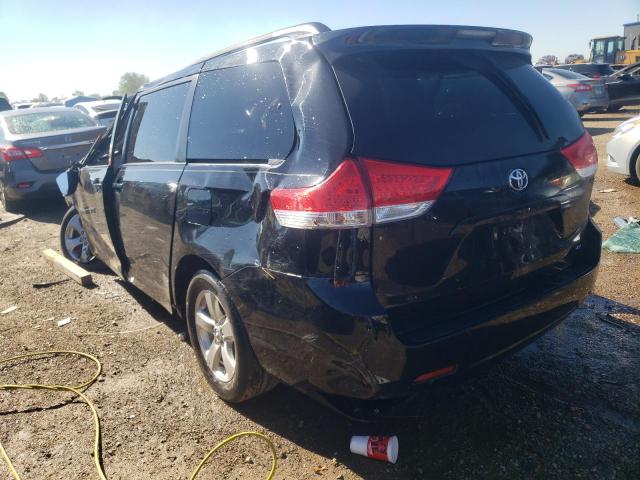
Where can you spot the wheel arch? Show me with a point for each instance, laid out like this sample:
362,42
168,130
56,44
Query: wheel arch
184,272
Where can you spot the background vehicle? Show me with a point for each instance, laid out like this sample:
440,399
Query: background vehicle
414,212
21,105
624,87
623,150
591,70
584,93
102,111
36,145
71,101
614,49
4,104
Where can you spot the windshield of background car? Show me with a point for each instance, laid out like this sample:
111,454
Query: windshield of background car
42,122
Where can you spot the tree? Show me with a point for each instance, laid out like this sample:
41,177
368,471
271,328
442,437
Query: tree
574,58
547,60
40,98
3,95
130,82
78,93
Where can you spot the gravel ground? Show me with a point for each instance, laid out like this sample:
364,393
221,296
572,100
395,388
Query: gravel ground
565,407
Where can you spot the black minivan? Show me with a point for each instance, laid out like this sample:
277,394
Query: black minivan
358,212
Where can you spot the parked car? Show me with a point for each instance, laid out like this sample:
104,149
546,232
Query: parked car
71,101
102,111
358,212
623,150
591,70
46,104
584,93
36,145
4,104
624,87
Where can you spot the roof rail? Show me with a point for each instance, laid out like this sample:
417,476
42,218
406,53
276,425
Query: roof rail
301,30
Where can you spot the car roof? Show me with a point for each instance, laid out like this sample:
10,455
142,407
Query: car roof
96,103
27,111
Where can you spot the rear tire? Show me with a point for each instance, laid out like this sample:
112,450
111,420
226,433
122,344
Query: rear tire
73,240
9,205
221,343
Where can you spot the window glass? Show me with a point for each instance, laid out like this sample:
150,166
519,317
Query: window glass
42,122
433,108
156,124
241,113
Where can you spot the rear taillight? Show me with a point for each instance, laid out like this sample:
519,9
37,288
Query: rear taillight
403,191
583,155
361,192
579,87
10,154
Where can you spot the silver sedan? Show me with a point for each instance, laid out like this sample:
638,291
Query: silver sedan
36,145
584,93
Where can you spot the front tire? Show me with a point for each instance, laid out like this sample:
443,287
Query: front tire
73,240
221,343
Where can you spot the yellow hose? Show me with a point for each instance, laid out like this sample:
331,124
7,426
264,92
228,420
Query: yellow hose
96,419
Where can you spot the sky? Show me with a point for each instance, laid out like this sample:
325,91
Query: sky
58,46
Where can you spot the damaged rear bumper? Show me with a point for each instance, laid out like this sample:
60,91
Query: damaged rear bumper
340,341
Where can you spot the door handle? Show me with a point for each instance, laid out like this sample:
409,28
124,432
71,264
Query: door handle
117,186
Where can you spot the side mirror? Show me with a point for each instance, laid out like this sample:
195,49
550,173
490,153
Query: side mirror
68,181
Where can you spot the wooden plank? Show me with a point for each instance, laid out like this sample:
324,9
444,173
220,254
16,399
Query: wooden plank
9,219
73,271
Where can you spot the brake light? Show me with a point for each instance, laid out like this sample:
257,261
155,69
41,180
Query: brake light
583,155
361,192
9,154
403,191
579,87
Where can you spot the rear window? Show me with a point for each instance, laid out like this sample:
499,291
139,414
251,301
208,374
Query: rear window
567,74
43,122
591,69
430,108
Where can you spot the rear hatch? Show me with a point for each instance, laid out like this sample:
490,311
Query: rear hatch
58,150
514,205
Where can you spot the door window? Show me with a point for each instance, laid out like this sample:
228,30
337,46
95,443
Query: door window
156,125
241,114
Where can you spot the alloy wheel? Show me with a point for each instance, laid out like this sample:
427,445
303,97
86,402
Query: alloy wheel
75,241
215,336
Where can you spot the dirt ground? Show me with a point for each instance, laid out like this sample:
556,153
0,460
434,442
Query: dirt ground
568,406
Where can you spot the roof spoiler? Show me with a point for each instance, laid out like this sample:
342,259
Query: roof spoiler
425,36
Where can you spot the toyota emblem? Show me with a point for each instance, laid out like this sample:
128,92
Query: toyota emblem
518,179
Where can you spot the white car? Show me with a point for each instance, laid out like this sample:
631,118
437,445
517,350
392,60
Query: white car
102,111
623,150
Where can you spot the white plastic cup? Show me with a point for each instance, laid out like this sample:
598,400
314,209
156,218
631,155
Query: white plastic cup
376,447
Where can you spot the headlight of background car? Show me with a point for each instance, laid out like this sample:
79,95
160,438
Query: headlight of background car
626,126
